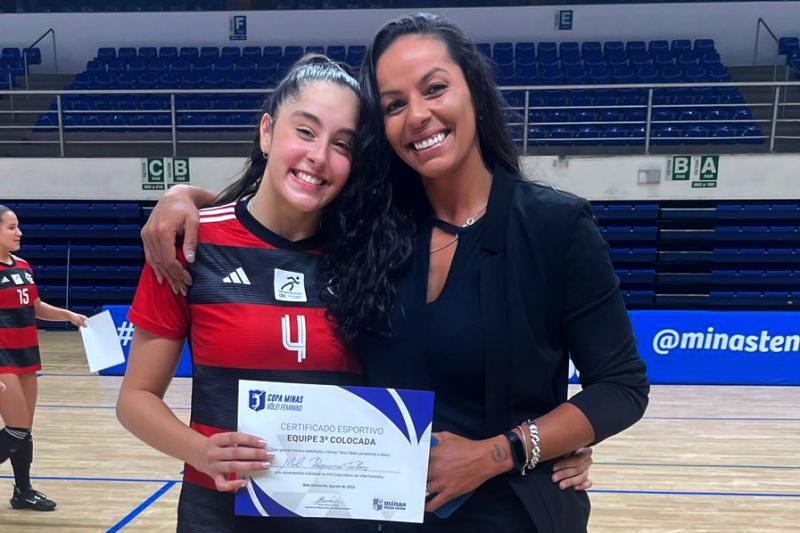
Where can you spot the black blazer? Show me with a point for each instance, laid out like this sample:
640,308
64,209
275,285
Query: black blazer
548,290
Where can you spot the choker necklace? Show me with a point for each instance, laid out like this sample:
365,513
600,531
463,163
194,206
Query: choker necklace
470,221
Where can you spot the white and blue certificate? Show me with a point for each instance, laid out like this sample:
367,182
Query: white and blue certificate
340,452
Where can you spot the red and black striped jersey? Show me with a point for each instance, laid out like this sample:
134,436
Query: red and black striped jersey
253,312
19,343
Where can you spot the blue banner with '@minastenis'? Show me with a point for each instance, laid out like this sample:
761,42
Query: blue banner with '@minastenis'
718,347
682,347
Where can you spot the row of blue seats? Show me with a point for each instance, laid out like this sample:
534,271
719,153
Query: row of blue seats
605,76
78,231
82,251
105,6
213,80
528,51
134,102
148,122
733,233
715,277
675,96
732,277
646,211
719,233
104,272
352,54
728,298
631,255
16,56
90,210
635,135
755,212
736,255
181,66
707,60
98,293
733,114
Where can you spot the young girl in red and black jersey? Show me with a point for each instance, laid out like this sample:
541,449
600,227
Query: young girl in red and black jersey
255,286
20,306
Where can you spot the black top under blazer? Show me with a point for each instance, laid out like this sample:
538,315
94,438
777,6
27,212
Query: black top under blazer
548,290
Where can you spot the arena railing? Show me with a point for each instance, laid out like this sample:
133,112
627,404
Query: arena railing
770,114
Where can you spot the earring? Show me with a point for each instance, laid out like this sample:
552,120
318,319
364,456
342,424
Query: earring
264,154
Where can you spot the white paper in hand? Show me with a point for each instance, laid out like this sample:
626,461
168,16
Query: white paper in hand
101,342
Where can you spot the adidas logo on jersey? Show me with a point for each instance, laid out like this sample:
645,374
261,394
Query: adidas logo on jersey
237,277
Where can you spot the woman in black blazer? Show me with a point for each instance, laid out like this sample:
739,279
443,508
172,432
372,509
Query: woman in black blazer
506,279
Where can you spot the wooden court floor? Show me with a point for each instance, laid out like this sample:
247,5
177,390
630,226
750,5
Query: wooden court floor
704,459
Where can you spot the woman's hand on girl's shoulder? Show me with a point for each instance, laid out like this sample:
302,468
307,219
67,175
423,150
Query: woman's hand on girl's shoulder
175,214
232,452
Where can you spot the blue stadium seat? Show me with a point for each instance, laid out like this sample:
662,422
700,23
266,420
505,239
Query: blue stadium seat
210,53
106,53
168,52
230,52
788,45
146,53
33,55
355,54
126,53
524,52
189,53
658,47
337,53
547,51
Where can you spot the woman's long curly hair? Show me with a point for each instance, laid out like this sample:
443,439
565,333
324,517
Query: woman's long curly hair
364,238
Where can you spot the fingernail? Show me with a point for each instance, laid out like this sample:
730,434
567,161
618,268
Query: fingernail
190,256
174,290
262,442
266,464
183,292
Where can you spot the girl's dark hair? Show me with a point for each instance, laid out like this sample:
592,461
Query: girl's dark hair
496,145
363,245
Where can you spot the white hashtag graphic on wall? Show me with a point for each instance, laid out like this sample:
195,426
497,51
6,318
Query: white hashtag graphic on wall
125,333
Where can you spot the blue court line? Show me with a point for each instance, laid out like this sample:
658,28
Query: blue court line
142,506
725,418
105,479
62,374
699,493
689,465
717,418
75,406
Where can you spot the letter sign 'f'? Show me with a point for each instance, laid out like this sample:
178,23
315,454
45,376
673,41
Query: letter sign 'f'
299,345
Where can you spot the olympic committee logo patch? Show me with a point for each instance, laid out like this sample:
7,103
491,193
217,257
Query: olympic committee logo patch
290,286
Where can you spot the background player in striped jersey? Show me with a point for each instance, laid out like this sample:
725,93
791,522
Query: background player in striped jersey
20,306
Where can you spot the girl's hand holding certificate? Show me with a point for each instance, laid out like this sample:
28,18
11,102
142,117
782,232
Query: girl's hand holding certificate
232,452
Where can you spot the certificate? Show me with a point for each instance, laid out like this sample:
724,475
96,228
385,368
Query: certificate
340,452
